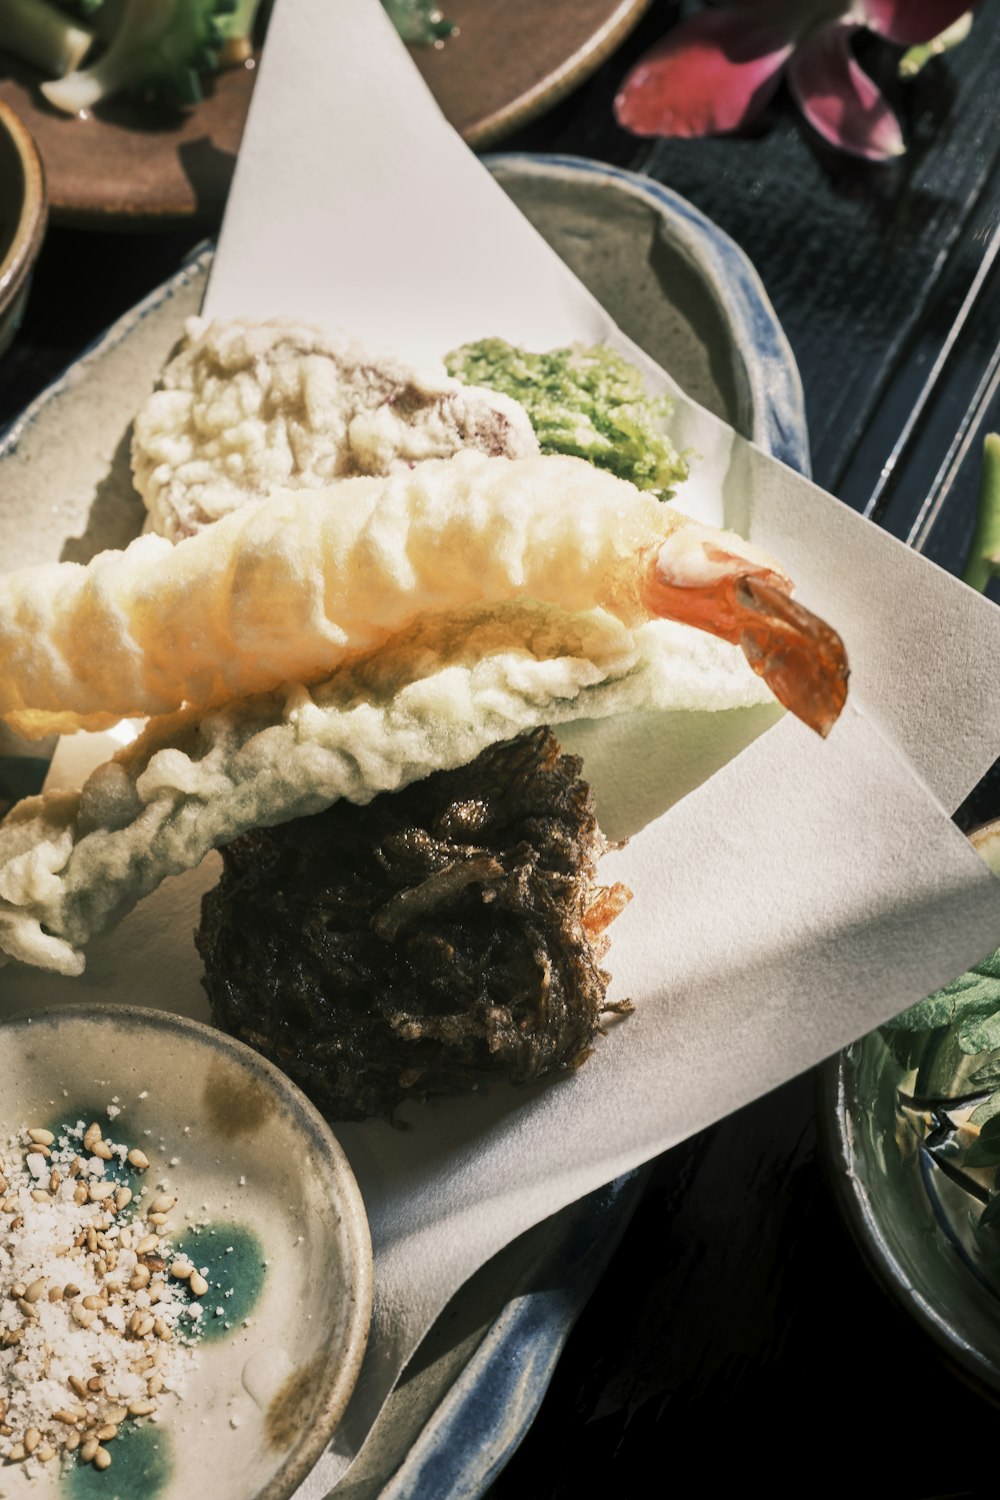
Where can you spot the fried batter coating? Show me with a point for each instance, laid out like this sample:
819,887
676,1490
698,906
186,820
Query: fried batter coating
72,864
288,590
440,934
247,408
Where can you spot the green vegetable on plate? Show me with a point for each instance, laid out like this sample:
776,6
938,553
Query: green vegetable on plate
155,50
967,1011
587,403
42,34
419,21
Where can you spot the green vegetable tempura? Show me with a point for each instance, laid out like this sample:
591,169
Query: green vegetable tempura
588,403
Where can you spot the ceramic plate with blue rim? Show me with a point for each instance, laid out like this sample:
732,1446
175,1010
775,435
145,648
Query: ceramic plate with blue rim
680,288
676,284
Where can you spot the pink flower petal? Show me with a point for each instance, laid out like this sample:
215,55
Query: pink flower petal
908,22
711,73
839,100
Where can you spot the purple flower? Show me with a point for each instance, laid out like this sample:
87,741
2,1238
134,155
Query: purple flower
717,70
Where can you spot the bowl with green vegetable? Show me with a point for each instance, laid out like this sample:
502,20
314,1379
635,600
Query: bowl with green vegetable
913,1137
912,1111
22,219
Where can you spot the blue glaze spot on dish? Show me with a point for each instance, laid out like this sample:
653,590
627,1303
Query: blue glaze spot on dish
231,1258
115,1169
141,1466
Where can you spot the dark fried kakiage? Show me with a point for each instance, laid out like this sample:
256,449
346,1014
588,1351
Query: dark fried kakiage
410,947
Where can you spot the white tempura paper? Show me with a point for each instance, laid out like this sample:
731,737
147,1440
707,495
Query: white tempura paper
796,899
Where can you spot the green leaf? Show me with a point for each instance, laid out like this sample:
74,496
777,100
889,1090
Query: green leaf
988,1076
985,1111
419,21
927,1015
906,1047
973,1000
985,1152
990,965
974,985
938,1008
990,1216
980,1033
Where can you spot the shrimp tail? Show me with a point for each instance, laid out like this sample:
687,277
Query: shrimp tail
799,656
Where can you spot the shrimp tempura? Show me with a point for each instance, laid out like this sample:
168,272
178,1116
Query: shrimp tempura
294,588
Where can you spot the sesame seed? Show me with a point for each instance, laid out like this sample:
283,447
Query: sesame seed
62,1241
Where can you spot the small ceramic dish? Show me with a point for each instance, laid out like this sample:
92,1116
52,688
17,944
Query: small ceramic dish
267,1207
22,219
896,1130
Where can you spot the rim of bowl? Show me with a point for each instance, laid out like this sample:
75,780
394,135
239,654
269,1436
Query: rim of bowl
861,1216
30,229
549,91
771,401
287,1479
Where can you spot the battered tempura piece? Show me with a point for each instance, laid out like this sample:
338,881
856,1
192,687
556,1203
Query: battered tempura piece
72,864
440,934
247,408
290,590
399,632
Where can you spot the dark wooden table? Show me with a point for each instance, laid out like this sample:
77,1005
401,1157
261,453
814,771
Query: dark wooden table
737,1311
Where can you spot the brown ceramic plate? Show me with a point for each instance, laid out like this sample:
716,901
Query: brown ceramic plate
510,61
126,166
22,218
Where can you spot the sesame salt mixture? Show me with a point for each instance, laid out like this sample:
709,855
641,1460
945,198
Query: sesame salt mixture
96,1311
